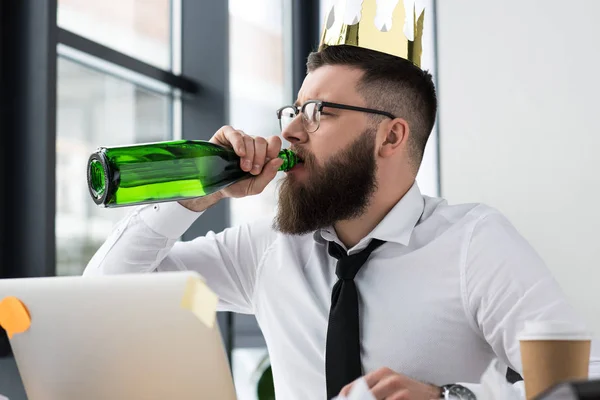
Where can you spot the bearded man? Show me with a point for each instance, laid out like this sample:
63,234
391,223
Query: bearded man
359,274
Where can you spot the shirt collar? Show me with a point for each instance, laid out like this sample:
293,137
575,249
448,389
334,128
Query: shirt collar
397,226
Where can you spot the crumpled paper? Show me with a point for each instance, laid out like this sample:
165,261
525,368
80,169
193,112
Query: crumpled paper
494,385
360,391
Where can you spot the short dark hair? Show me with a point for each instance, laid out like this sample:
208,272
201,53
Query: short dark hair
391,84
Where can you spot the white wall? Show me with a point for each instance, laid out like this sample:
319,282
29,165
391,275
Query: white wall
519,113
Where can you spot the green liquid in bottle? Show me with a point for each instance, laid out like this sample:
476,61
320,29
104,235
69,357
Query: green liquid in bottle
164,171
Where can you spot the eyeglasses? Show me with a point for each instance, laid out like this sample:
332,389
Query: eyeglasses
311,113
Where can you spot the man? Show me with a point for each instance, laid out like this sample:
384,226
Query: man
444,290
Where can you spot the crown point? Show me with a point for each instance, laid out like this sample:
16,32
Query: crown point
390,26
330,18
353,11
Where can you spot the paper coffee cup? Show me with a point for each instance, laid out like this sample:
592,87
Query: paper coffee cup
551,353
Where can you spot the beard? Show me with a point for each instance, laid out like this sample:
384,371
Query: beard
339,190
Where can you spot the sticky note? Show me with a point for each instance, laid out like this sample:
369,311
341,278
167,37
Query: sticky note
200,300
14,316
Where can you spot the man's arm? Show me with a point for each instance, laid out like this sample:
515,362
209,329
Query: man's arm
506,283
147,241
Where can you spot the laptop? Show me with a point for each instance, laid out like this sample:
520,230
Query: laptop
134,336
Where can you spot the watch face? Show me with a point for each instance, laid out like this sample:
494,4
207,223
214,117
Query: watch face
461,393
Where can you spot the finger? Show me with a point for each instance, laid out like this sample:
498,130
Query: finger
268,173
401,395
273,146
346,389
227,136
372,378
246,161
386,387
260,152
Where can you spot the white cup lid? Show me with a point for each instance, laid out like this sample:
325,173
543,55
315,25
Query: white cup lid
554,330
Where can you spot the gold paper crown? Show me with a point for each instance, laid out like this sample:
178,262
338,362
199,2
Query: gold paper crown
381,25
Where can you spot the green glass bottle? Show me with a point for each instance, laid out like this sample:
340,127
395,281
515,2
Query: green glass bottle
164,171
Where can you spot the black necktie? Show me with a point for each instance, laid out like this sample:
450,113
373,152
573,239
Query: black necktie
342,352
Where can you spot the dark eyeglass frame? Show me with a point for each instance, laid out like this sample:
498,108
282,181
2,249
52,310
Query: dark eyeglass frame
321,104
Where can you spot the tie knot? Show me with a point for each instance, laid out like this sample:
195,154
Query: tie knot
349,265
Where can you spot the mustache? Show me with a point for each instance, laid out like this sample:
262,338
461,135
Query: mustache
306,157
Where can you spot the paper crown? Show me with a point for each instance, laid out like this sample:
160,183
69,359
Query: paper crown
388,26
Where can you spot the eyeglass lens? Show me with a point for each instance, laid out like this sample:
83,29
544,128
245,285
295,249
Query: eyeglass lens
311,117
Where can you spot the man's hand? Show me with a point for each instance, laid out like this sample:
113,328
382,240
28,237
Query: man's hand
386,384
258,155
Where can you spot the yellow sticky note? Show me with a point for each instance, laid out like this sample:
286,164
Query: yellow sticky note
200,300
14,316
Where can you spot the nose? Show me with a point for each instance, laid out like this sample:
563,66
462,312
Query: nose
295,132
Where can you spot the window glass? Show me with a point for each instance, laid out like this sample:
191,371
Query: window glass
257,85
139,28
95,109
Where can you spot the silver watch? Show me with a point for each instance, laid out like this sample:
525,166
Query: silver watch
454,391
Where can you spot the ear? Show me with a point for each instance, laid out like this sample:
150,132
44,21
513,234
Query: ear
395,136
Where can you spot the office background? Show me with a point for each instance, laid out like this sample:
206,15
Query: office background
517,125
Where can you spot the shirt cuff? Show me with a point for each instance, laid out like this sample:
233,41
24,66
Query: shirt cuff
169,219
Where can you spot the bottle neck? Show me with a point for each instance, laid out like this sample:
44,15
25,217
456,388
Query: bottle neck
289,159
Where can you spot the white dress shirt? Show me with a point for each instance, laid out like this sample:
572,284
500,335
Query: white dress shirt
448,292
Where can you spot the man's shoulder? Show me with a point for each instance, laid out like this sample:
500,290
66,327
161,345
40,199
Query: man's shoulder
483,226
439,208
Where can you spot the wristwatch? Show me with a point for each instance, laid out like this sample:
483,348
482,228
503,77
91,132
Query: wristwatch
455,391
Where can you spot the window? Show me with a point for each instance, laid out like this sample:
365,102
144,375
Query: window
259,84
103,102
139,28
95,109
